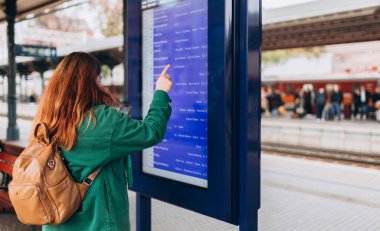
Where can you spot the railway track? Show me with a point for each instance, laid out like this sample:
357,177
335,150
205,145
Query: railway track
346,157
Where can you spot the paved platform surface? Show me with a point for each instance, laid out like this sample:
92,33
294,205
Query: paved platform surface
24,110
353,125
362,137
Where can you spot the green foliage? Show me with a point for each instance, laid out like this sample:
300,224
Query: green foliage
106,71
110,16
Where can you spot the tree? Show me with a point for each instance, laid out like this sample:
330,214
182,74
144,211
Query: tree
61,22
279,56
110,16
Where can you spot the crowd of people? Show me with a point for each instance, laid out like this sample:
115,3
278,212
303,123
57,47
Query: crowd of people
323,104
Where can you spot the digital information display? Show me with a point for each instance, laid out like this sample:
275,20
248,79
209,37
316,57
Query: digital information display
175,33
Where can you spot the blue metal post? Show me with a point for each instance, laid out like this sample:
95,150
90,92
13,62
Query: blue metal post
143,213
248,54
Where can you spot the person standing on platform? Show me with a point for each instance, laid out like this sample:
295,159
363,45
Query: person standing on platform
308,96
84,121
269,97
376,100
264,103
320,103
277,104
364,101
356,101
336,101
376,95
376,103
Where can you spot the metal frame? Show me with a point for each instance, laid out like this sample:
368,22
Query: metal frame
248,66
216,200
234,176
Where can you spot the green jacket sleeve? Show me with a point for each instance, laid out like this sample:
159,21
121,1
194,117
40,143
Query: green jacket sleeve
130,135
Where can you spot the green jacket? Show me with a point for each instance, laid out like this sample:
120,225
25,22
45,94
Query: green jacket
114,136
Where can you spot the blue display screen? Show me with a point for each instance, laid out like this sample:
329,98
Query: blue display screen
176,33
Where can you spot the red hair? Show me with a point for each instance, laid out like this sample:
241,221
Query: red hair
72,92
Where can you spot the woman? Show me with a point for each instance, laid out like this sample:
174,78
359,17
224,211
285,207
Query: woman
82,120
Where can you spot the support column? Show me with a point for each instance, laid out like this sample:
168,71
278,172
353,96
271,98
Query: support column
248,64
42,82
143,213
12,130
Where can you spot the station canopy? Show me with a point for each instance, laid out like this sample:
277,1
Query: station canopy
27,7
313,23
321,22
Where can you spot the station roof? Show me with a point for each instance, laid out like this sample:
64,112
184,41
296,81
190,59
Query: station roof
321,22
317,10
26,7
315,23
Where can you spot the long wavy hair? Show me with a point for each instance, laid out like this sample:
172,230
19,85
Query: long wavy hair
72,92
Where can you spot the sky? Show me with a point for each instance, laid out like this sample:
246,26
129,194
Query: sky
270,4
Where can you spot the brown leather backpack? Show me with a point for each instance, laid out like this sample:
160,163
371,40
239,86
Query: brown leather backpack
42,191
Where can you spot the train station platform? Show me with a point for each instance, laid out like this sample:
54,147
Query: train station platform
361,137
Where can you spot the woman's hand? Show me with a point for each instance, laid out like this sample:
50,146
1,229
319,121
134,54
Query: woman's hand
164,82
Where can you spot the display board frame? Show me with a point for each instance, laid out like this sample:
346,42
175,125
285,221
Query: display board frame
234,174
217,200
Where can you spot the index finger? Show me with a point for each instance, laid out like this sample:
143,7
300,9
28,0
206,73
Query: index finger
163,73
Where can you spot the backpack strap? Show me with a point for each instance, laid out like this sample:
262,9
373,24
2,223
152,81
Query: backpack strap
87,182
41,133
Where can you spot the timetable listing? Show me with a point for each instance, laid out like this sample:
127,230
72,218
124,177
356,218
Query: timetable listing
179,37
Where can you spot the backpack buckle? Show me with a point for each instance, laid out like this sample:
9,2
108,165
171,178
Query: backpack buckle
51,164
87,181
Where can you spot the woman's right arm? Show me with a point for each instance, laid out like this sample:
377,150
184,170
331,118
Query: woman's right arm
130,135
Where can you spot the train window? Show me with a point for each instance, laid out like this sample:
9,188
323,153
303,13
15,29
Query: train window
356,86
329,87
308,87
